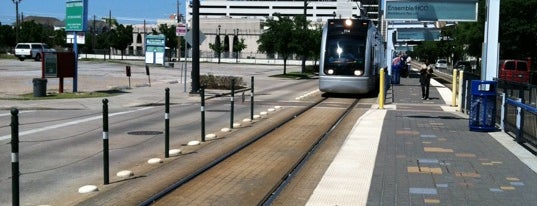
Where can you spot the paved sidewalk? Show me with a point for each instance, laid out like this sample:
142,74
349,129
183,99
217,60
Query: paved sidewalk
425,154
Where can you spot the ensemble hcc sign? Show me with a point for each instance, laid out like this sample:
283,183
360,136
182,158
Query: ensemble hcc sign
431,10
76,15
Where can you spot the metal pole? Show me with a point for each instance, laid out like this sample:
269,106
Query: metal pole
167,124
195,73
15,156
252,100
105,143
75,75
382,91
17,29
186,69
232,103
202,95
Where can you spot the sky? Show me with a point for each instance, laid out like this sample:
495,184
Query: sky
125,11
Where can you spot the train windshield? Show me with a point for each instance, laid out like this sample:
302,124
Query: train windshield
344,55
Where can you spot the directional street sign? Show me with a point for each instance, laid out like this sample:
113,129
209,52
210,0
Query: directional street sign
188,37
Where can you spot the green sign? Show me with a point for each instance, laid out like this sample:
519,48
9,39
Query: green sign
431,10
76,15
418,34
154,49
51,64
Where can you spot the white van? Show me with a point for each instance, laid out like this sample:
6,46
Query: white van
31,50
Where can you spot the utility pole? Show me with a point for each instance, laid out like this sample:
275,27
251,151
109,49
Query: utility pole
178,52
305,27
17,26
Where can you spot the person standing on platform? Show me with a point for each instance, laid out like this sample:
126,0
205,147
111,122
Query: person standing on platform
408,60
426,72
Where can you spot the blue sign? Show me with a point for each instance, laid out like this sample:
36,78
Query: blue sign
431,10
418,34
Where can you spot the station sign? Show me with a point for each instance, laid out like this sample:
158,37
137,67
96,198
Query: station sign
155,47
431,10
417,34
76,15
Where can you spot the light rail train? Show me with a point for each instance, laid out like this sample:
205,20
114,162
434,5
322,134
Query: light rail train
352,52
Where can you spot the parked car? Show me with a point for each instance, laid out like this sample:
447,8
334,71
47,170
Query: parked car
515,70
441,64
31,50
464,66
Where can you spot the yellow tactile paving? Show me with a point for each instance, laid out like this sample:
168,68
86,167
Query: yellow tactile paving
465,155
428,170
467,174
512,179
507,188
431,201
491,163
407,132
437,149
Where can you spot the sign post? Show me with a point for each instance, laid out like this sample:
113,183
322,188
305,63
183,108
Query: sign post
76,17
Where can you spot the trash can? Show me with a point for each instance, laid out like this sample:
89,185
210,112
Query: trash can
40,87
396,74
483,106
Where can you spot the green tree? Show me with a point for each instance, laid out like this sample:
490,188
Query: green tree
217,47
278,38
301,31
238,46
121,38
7,36
314,42
171,37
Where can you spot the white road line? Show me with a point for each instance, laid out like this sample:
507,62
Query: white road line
70,123
9,113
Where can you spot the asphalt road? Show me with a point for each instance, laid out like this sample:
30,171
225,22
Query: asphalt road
61,140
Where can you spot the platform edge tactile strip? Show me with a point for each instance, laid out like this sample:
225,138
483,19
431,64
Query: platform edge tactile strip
348,178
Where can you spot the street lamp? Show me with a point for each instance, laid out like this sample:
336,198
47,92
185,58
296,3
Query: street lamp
18,22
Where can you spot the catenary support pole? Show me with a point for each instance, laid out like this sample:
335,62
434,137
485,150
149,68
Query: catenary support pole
202,95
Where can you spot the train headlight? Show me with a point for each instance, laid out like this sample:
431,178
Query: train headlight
330,71
358,72
348,23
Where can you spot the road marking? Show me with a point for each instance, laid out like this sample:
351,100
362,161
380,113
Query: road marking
9,113
70,123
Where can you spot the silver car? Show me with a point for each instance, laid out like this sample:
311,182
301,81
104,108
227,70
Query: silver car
441,64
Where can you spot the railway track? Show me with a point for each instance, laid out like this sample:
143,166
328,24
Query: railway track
255,172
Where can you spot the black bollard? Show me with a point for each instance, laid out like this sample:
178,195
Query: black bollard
15,156
252,100
232,103
167,124
105,143
202,94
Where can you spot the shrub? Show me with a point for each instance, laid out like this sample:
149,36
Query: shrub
211,81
